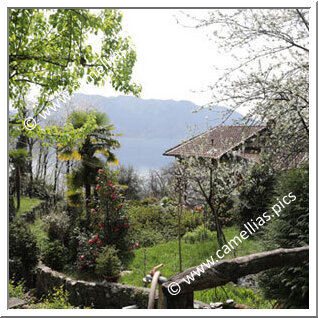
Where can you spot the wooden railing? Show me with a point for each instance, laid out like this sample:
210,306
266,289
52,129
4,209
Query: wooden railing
229,270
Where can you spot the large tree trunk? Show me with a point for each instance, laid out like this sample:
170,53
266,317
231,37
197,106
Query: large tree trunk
30,143
55,171
18,186
229,270
38,168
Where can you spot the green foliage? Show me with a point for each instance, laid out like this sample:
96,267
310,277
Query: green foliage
22,247
100,142
54,255
108,262
39,230
162,220
59,299
27,204
289,285
147,237
16,289
129,178
49,50
255,193
241,295
18,156
198,235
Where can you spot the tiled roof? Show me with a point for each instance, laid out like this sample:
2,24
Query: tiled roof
215,142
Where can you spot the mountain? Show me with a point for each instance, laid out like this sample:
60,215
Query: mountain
151,126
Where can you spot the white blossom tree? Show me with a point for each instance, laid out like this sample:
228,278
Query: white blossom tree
269,72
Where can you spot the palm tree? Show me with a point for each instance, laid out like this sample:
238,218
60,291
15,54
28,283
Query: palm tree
92,153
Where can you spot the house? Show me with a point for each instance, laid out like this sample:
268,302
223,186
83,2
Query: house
243,142
221,141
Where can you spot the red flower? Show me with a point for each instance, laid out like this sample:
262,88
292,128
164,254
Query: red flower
82,257
95,237
97,187
116,229
90,241
100,170
136,245
80,267
101,224
113,196
125,224
93,210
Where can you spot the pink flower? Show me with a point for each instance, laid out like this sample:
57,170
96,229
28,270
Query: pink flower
125,224
95,237
113,196
101,224
82,257
93,210
90,241
136,245
100,170
97,187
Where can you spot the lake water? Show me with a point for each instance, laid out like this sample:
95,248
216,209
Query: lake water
144,154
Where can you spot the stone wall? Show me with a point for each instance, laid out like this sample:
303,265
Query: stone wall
92,294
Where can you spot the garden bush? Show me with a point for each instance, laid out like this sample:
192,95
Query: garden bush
55,255
254,194
23,250
107,262
58,226
16,289
162,220
289,285
59,299
198,235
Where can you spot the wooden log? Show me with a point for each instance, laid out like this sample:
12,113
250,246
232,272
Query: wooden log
229,270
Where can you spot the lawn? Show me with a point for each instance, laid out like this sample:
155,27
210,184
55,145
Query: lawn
27,204
195,254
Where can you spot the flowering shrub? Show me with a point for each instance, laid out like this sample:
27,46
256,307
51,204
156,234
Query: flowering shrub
109,223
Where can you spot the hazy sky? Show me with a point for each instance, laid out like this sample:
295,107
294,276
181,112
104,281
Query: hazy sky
173,60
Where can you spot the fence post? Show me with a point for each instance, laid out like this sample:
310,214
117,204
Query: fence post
184,301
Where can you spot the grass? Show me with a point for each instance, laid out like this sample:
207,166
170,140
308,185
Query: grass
38,229
195,254
27,204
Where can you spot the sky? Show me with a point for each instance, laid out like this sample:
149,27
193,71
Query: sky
173,61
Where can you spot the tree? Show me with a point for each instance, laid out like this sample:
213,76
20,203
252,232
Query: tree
255,192
159,181
129,178
49,50
18,158
99,142
211,181
269,72
290,286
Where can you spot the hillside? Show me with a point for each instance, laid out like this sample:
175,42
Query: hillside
150,126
